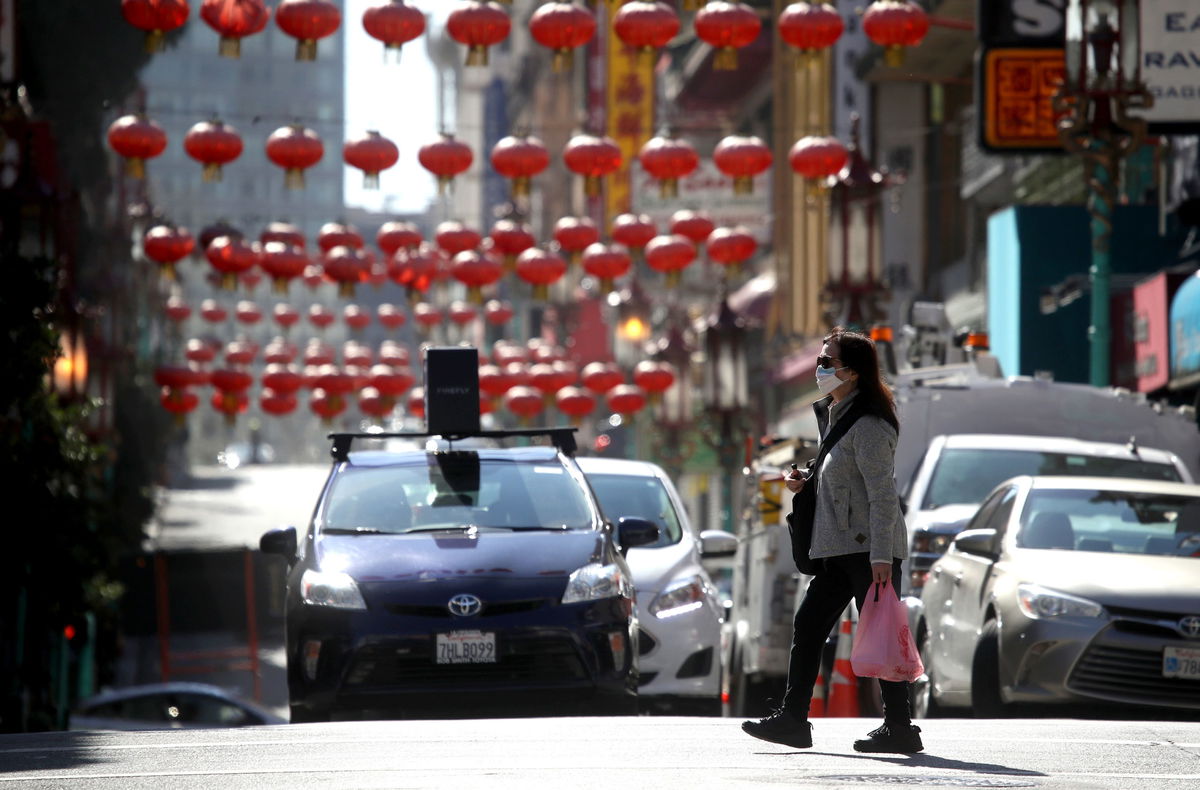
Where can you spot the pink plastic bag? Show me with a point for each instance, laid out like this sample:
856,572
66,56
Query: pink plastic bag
883,644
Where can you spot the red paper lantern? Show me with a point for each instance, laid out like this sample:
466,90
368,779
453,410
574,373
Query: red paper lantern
390,316
241,353
394,354
166,246
285,315
574,234
372,403
231,379
282,378
250,278
394,236
234,20
275,403
817,158
525,402
454,237
606,262
318,353
810,28
498,312
326,405
156,18
654,377
415,270
213,144
231,256
670,254
694,225
727,27
212,312
445,158
247,313
177,310
371,154
479,25
313,276
282,263
392,382
461,313
415,405
593,158
179,402
136,138
510,239
518,373
546,379
506,351
540,268
646,26
427,315
633,230
894,25
285,233
730,247
600,377
334,381
347,267
295,149
520,158
355,317
562,26
339,234
320,317
210,232
357,355
626,399
280,352
742,158
230,404
475,271
493,381
198,350
394,23
575,402
175,376
668,160
307,21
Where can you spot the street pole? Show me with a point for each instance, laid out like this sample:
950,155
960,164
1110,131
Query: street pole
1100,174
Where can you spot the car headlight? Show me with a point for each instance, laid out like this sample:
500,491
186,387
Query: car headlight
679,597
1039,602
330,588
595,581
930,542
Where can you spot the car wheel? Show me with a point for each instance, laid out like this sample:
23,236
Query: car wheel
302,714
986,701
924,706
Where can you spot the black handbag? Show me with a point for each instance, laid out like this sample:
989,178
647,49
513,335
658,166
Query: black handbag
804,502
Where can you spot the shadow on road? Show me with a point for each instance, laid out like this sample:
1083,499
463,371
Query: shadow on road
923,761
50,751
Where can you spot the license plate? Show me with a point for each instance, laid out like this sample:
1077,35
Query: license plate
1181,662
466,647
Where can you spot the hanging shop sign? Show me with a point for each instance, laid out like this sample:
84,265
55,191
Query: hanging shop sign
1170,38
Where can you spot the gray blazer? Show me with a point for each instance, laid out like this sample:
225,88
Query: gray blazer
858,509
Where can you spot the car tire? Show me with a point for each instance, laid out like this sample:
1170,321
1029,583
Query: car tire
986,702
302,714
924,704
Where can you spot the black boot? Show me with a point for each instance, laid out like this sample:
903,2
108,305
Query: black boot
899,738
781,727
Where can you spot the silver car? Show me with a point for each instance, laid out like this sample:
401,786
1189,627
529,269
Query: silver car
1067,590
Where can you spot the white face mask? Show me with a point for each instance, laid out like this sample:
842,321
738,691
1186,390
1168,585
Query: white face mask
827,380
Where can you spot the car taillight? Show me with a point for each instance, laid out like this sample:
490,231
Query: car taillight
917,579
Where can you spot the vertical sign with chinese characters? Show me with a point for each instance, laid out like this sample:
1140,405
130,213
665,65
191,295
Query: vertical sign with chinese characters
1170,39
630,100
1018,88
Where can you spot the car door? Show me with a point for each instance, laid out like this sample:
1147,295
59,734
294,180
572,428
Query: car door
970,585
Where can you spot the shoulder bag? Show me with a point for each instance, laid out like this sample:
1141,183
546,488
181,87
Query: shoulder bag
804,503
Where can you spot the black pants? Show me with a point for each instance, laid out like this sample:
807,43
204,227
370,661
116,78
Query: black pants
828,594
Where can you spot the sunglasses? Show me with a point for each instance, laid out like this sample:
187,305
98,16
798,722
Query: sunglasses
824,361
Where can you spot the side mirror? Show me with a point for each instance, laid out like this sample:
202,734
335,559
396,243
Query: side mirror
716,544
281,542
980,542
632,532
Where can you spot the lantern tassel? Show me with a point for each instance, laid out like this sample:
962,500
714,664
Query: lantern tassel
168,272
212,171
563,60
726,59
280,284
477,55
591,186
672,280
135,167
520,186
541,292
306,49
668,188
743,185
293,178
345,289
370,180
230,47
155,41
893,55
475,294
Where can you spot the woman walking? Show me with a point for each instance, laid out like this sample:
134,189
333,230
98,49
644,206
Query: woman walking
858,538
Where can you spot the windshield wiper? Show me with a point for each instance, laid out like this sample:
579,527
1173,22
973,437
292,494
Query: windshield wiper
356,531
446,528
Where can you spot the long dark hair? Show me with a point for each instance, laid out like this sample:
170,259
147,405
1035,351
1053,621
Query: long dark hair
857,352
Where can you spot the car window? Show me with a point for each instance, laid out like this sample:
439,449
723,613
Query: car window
200,709
1111,522
983,516
641,497
456,489
964,476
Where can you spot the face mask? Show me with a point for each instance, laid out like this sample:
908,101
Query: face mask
827,381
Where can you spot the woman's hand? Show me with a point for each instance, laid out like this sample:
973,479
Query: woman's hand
881,572
794,480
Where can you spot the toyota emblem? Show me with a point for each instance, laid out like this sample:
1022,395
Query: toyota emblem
1190,626
464,605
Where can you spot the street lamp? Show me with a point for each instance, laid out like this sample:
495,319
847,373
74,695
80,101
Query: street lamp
726,395
71,366
1103,82
676,407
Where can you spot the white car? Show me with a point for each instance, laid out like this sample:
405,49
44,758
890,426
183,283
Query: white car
679,607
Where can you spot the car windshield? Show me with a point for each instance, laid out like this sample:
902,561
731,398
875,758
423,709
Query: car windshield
965,476
454,490
1111,521
641,497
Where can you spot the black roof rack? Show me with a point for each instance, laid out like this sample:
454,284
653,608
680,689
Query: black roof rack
562,438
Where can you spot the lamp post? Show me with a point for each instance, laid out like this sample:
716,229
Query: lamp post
676,407
1103,82
726,396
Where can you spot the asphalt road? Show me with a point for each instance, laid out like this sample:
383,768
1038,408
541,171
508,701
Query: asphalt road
640,752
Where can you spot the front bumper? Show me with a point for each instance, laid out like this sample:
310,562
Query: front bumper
680,655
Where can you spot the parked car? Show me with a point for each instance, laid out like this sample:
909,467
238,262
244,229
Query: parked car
959,470
679,607
168,706
1068,590
459,582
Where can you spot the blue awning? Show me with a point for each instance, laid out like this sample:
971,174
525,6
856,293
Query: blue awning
1185,334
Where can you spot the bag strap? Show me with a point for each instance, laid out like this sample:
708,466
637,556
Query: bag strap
838,430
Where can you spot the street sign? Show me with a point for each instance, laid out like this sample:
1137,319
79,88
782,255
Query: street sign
1016,88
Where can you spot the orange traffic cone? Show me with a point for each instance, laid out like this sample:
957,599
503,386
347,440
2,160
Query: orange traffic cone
843,691
816,708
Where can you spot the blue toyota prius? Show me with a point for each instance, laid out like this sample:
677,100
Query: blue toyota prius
459,582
